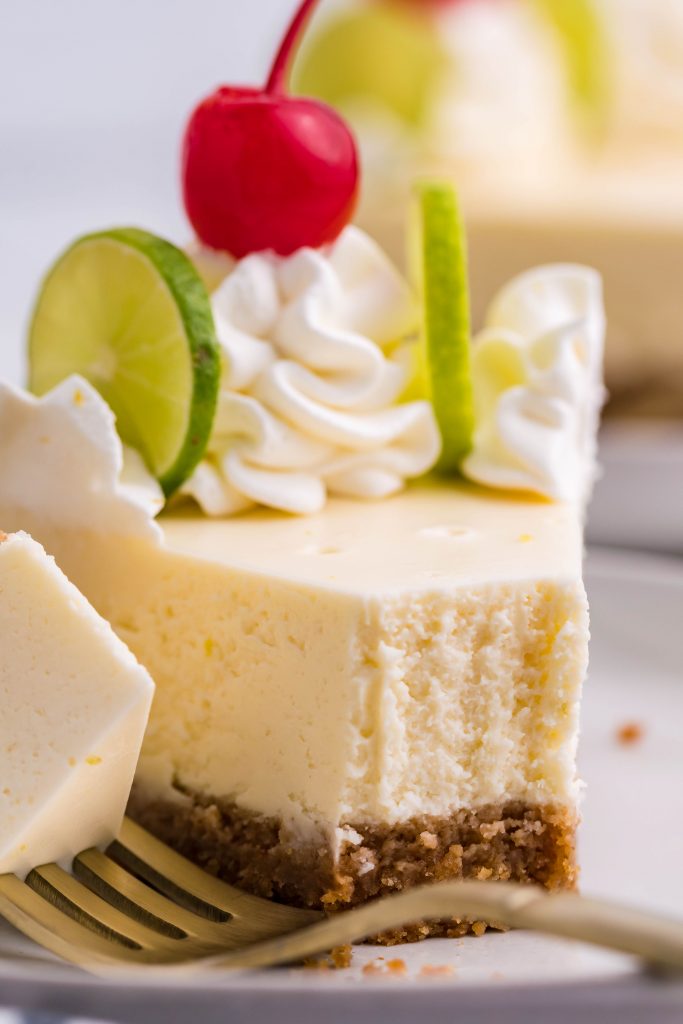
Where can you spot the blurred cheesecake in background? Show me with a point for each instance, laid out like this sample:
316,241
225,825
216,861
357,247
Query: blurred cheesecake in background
563,127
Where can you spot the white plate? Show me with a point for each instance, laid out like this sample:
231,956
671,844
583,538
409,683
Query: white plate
631,850
638,502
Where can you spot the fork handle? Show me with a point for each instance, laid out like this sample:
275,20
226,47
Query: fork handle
654,938
657,940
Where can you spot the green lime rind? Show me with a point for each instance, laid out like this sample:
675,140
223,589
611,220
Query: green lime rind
446,310
128,311
581,34
386,55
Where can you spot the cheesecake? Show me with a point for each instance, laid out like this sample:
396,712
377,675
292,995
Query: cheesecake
361,700
377,693
75,707
343,535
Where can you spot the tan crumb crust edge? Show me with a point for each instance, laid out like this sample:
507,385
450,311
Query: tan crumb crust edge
511,841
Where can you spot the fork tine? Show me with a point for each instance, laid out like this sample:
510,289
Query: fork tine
55,931
122,890
159,864
59,888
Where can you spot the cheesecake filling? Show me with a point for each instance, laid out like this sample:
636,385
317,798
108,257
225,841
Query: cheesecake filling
309,694
424,706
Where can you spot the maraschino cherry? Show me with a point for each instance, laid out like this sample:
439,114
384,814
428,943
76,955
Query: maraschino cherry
265,170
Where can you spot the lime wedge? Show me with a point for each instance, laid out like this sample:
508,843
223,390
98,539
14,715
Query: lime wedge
446,308
128,311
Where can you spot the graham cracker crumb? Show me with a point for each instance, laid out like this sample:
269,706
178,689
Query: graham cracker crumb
497,842
336,960
373,968
386,969
316,964
630,733
478,928
341,957
437,971
489,830
397,966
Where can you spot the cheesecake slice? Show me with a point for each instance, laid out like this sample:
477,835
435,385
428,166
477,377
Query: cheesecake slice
74,708
350,703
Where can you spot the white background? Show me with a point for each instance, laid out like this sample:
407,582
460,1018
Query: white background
93,98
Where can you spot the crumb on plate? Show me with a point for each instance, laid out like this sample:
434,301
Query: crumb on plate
341,957
630,733
437,971
386,968
336,960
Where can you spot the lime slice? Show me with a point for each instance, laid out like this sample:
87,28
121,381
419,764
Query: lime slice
580,31
446,308
128,312
378,55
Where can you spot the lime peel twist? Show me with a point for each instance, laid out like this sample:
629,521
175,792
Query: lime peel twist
446,310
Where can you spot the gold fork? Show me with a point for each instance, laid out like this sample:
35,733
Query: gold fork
142,904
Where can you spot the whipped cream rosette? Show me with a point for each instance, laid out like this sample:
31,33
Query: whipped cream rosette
62,454
316,355
537,380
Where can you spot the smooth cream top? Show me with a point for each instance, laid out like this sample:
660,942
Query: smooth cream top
435,535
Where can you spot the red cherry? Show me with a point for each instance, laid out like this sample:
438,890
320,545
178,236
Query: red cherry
264,170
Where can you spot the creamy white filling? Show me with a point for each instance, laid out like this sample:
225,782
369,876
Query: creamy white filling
305,671
315,360
400,707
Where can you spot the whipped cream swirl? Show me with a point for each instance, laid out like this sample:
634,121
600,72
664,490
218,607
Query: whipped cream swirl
537,375
61,455
315,360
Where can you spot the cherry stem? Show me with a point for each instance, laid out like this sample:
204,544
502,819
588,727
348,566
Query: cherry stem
278,74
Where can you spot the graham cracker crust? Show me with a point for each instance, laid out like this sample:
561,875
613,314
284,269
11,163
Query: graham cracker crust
511,841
